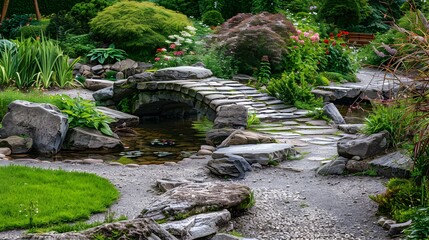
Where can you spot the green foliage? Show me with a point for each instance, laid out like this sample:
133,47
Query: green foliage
77,45
391,118
10,28
106,55
187,7
401,199
138,28
248,202
42,192
419,228
46,6
40,63
110,75
252,119
343,13
318,113
264,72
220,64
84,11
292,89
82,113
212,18
35,30
264,6
9,95
60,23
338,77
202,126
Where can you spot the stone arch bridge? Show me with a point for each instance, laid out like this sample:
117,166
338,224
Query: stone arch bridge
205,96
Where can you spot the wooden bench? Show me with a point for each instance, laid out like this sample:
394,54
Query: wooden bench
359,39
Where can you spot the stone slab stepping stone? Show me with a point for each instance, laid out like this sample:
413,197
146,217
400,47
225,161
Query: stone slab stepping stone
120,117
394,164
183,72
317,123
290,123
263,154
317,131
351,128
274,129
313,127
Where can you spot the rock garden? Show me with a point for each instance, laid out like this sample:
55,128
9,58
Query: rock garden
213,120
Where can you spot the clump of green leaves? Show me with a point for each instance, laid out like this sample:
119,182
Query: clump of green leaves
294,90
107,55
419,228
212,18
389,117
82,113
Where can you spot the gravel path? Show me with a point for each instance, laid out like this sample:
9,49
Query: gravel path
291,202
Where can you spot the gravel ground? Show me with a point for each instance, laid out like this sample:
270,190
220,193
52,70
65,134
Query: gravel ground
290,204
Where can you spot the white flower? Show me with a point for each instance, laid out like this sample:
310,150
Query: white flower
185,34
190,28
188,40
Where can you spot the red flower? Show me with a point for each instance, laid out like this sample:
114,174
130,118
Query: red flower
327,52
339,34
157,59
334,43
159,50
326,41
173,46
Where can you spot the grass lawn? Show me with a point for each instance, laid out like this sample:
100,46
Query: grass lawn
34,197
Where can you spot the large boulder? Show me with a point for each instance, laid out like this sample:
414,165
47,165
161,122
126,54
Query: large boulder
332,112
215,137
140,228
229,166
88,139
17,144
191,199
104,94
231,116
363,146
44,123
199,226
183,72
128,67
393,164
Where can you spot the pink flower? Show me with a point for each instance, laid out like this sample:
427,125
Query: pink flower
173,46
178,53
315,38
299,32
294,37
301,41
306,34
157,59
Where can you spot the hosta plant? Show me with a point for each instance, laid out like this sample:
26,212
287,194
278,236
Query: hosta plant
107,55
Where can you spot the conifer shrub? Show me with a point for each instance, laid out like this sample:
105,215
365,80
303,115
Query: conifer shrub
247,38
139,28
212,18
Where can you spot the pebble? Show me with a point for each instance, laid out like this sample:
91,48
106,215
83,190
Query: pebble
92,161
5,151
132,165
204,152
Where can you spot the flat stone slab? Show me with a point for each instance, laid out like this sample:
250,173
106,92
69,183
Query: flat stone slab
263,154
183,72
317,131
393,164
97,84
120,117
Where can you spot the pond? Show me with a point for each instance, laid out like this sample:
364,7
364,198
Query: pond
354,115
157,141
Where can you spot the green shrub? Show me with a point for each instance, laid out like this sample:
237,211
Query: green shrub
10,28
36,30
40,197
212,18
419,228
106,55
84,11
401,199
138,28
77,45
221,65
342,13
390,117
338,77
292,89
60,23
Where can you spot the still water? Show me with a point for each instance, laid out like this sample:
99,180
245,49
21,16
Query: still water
143,148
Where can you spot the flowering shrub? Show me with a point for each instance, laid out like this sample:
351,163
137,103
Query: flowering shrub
338,56
179,47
